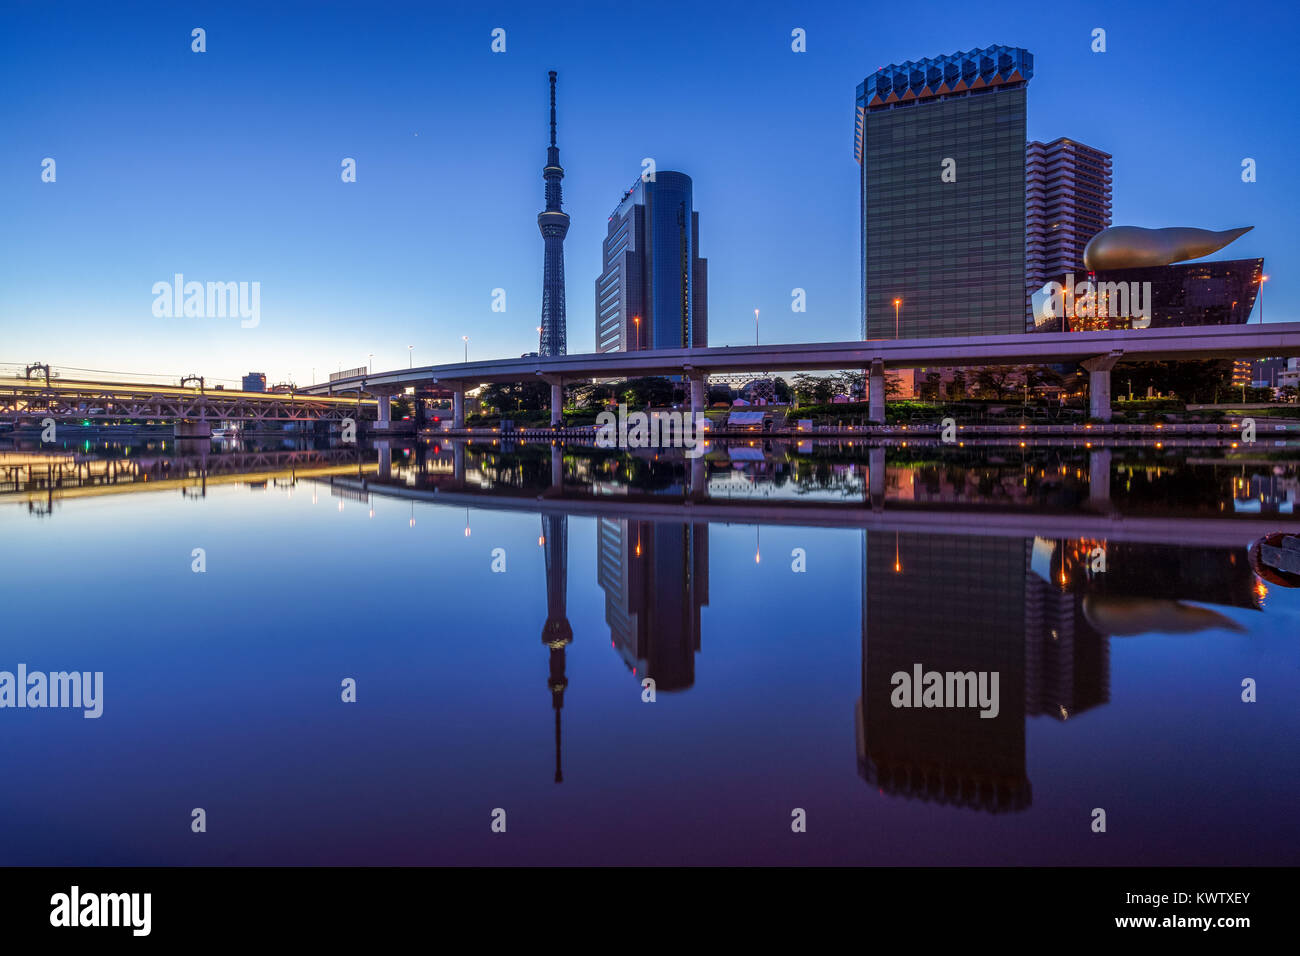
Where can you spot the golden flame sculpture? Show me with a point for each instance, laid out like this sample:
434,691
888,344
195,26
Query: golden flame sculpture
1132,247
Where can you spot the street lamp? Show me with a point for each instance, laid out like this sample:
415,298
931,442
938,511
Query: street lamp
756,326
410,356
370,361
1262,280
539,339
637,320
897,303
465,339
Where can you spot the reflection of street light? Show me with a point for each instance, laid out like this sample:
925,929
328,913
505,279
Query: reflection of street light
898,565
467,522
410,356
465,338
1262,280
897,303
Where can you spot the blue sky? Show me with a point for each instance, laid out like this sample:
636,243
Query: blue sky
224,166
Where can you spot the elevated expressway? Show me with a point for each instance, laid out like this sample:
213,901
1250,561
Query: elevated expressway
1099,352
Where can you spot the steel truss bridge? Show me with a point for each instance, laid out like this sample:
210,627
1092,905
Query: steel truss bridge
25,398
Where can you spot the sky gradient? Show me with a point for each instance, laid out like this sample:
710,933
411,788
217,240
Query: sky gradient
224,166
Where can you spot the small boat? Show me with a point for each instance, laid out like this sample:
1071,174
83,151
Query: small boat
1275,558
225,434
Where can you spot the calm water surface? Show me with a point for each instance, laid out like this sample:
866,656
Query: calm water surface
520,688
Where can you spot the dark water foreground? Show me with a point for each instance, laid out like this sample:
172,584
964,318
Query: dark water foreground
498,625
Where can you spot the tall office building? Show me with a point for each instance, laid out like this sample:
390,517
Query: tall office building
554,224
254,382
653,290
941,142
1067,202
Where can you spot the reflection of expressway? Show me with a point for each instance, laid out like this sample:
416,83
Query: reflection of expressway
1232,530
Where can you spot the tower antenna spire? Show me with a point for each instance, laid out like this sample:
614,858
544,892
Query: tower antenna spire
552,75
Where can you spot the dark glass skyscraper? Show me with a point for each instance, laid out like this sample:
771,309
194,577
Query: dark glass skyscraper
941,142
554,224
653,288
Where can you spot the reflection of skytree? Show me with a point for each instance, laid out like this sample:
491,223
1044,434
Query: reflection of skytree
557,633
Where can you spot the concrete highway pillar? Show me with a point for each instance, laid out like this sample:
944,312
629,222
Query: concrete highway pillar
1099,394
458,407
697,397
1099,370
384,406
557,403
876,389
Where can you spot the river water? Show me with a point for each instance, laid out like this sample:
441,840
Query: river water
495,626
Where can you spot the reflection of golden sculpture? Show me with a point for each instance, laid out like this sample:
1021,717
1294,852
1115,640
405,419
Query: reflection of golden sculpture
1132,247
1124,616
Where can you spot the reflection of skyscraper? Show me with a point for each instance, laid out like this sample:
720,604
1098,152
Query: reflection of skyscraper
948,603
1067,663
656,578
1040,614
557,633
